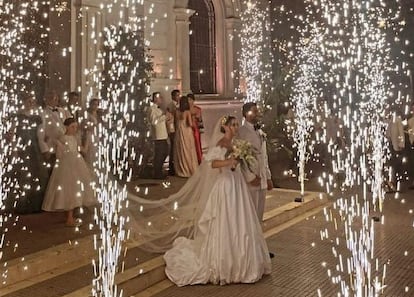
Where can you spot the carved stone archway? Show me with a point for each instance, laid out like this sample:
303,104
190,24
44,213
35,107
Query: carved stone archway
169,46
227,23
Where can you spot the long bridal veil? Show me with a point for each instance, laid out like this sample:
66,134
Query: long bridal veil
159,222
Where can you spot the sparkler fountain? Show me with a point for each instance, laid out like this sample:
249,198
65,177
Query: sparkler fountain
7,39
305,96
356,82
359,59
124,88
253,49
22,73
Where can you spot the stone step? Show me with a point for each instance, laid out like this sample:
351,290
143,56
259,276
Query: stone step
25,271
165,283
55,261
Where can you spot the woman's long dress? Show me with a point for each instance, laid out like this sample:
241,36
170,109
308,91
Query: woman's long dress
196,132
185,157
71,184
229,246
91,140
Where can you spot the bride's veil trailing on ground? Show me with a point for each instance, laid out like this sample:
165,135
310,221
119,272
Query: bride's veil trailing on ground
159,222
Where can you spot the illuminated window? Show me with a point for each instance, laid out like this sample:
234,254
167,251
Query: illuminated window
202,47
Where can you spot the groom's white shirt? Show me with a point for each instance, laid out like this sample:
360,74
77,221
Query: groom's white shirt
258,140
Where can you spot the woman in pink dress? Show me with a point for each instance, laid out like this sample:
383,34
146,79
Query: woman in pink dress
197,124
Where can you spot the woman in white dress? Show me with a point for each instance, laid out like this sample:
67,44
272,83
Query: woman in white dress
71,184
226,244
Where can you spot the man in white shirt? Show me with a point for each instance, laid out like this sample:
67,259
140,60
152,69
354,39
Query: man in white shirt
158,121
52,127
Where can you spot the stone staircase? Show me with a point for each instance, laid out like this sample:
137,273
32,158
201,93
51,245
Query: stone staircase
66,269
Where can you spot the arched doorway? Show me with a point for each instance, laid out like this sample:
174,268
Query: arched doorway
202,47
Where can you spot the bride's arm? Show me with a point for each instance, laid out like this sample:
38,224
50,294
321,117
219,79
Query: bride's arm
231,162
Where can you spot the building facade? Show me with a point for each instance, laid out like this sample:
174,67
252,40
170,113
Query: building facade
194,43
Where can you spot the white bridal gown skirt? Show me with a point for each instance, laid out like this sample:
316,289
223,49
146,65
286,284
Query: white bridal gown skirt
229,247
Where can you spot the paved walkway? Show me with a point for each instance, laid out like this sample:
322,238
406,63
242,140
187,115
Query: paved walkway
304,264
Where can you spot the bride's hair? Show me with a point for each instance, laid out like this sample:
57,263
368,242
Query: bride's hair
225,121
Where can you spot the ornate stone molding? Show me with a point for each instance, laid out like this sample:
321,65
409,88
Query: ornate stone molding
182,16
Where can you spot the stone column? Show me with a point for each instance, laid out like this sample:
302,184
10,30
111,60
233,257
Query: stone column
88,21
182,23
59,54
232,49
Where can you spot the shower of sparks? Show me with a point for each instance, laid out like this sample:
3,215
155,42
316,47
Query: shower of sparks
21,73
358,91
361,80
376,89
254,48
22,64
61,7
7,39
305,96
118,85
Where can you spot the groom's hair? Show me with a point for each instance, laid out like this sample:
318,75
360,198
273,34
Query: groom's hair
247,107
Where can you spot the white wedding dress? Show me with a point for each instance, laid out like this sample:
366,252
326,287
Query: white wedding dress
228,246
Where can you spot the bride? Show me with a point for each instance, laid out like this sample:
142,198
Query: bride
221,238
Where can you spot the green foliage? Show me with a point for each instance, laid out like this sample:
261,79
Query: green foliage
126,78
276,105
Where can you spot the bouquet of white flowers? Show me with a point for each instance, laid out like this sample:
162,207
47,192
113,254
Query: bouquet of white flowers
245,152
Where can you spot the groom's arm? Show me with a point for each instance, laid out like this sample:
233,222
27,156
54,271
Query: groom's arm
267,168
252,177
266,161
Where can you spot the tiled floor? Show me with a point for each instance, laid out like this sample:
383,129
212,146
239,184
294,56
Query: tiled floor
302,262
301,265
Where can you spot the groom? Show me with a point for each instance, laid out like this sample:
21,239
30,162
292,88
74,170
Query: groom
259,177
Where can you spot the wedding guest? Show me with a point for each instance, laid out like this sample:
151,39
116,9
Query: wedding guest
185,156
158,121
197,125
90,137
28,169
410,132
52,128
71,184
395,133
172,127
74,105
